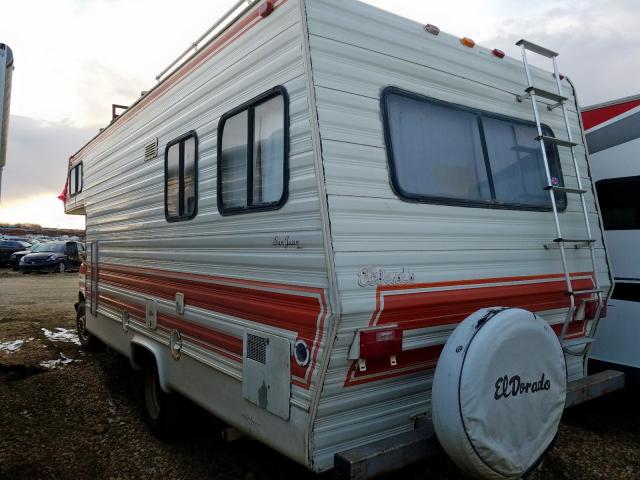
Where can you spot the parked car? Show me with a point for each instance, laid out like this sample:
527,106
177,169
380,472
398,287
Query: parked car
14,259
8,247
53,257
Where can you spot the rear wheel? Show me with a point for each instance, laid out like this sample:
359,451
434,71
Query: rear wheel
87,340
162,412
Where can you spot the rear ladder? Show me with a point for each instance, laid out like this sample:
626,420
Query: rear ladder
560,241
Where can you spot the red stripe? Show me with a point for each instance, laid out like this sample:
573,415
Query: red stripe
591,118
294,310
428,309
412,310
291,312
204,336
411,361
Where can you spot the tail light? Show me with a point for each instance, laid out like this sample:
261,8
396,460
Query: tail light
380,343
591,307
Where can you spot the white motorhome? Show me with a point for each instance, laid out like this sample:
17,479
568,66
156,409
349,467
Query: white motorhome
612,130
290,225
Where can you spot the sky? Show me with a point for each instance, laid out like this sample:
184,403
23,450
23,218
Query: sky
77,57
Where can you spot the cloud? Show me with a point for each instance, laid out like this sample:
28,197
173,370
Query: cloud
37,156
597,42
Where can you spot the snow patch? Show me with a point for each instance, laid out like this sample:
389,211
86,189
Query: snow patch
57,363
11,347
61,335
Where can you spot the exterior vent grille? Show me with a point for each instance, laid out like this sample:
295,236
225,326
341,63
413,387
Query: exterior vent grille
151,149
257,348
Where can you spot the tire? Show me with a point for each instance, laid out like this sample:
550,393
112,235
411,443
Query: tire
87,340
61,267
162,413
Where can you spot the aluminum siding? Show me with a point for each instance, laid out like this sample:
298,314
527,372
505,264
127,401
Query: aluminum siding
124,200
356,51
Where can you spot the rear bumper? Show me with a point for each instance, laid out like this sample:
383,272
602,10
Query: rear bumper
41,267
593,386
386,455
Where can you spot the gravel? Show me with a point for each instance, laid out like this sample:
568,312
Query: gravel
65,413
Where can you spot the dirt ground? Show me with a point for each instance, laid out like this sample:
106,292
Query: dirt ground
69,414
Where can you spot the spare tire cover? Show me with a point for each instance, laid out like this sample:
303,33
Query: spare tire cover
498,392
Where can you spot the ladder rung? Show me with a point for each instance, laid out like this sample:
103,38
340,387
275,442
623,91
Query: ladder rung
545,52
556,141
573,240
577,341
554,97
528,150
585,292
565,189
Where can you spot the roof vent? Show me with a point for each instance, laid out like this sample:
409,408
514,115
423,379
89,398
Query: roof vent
151,149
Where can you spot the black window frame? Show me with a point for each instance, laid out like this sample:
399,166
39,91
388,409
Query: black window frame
249,106
181,140
78,167
615,226
560,197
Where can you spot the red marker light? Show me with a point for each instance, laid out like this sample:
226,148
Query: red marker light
590,308
432,29
498,53
265,9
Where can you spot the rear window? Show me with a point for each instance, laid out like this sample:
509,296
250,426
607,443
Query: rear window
445,153
619,200
48,247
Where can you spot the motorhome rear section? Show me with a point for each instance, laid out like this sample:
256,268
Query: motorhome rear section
290,225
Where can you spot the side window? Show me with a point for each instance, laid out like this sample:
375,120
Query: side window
75,180
444,153
253,143
619,200
181,178
516,163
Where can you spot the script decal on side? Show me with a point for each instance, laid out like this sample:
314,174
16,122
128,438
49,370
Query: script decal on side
286,242
372,276
512,387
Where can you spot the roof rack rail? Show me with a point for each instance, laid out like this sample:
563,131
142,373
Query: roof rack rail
226,20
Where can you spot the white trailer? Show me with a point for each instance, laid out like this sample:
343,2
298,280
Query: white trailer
612,130
290,225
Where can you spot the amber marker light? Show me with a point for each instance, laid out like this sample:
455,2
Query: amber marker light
467,42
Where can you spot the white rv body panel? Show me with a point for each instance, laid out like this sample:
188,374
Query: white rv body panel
614,143
125,215
306,272
356,52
